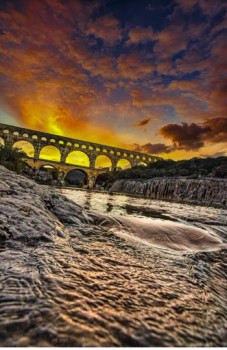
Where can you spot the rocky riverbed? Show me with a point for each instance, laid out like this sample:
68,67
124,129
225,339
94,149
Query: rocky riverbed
201,191
70,277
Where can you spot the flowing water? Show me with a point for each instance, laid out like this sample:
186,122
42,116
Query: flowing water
163,224
136,272
178,292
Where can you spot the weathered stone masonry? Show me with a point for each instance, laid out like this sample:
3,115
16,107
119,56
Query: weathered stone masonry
11,134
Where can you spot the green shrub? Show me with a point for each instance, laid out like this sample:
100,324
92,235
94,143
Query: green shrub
192,168
12,158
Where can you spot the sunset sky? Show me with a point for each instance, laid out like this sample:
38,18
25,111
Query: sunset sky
147,75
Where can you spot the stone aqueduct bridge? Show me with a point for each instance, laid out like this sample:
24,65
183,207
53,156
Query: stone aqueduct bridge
11,134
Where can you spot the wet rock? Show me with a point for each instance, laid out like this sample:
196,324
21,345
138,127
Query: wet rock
31,212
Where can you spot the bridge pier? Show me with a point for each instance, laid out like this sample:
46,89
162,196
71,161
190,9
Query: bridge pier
63,169
37,149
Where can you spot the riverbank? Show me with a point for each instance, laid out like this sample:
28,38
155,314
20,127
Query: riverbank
67,279
209,192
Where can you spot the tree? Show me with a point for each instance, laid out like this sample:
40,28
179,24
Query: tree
194,167
221,171
12,158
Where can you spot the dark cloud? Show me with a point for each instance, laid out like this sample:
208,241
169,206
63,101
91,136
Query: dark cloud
218,130
106,28
155,148
185,136
194,136
214,155
143,122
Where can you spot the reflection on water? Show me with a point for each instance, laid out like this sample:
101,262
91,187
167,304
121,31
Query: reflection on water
114,204
158,223
204,217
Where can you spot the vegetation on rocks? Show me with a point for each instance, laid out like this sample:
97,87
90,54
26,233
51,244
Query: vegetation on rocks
12,158
193,168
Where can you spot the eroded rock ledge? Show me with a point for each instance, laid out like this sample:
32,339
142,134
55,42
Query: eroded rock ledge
206,192
31,212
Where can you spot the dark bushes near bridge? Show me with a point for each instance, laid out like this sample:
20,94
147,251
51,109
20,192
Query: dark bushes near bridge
192,168
12,158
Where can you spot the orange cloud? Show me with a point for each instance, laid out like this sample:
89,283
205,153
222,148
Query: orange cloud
46,73
140,35
132,66
58,76
106,28
170,41
186,106
138,97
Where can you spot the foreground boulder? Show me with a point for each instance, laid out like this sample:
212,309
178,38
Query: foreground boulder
28,211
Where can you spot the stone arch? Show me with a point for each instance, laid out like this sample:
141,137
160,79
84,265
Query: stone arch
103,161
35,137
61,142
16,133
52,140
142,163
124,163
50,169
76,177
78,158
5,131
2,142
48,166
50,153
43,138
25,146
101,179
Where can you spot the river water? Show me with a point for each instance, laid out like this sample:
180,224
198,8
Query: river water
145,218
117,271
162,269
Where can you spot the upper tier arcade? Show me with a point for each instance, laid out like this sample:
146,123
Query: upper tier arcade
11,134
